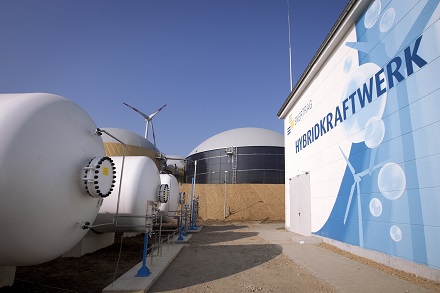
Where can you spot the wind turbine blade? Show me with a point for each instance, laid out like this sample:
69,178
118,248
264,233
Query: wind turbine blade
377,166
143,115
349,202
348,163
363,173
361,230
158,110
154,136
372,159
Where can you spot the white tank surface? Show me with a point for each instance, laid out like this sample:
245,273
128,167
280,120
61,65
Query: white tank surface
136,145
46,141
140,183
171,206
129,138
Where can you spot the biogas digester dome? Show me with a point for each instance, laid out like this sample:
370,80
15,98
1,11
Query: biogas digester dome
242,155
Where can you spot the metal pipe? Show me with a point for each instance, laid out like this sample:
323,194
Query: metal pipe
159,249
180,224
224,199
192,192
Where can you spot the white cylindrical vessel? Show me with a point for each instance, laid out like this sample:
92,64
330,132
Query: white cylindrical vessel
45,143
169,209
140,182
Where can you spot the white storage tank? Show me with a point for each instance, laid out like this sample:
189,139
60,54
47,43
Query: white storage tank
46,141
140,183
171,206
136,145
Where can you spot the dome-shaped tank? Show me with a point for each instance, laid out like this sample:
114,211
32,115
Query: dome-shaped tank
242,155
169,209
140,183
46,141
136,145
241,137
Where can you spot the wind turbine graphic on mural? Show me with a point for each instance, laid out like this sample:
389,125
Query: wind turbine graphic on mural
147,118
356,184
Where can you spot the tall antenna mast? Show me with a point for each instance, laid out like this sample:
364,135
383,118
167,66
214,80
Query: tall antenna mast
290,45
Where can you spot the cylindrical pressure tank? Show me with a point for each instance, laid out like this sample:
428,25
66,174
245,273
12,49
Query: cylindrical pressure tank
136,145
169,209
140,183
46,141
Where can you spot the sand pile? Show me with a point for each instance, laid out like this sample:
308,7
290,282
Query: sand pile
244,202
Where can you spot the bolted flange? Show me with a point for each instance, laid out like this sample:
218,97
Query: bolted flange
163,193
99,177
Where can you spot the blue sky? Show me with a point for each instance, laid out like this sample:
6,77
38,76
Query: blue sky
217,64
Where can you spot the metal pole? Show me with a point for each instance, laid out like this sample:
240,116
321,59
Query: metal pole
186,217
290,45
99,131
144,271
224,199
180,223
192,195
159,249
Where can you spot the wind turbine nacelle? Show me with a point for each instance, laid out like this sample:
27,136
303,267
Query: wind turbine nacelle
47,146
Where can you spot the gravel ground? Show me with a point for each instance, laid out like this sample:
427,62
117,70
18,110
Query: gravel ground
232,258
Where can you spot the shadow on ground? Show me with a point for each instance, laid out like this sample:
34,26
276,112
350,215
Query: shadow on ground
89,273
216,237
214,253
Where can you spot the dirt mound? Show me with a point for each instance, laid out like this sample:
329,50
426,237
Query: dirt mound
244,202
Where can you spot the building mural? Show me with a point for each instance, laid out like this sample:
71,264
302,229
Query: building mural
367,129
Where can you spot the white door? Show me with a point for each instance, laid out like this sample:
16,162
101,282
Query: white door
300,205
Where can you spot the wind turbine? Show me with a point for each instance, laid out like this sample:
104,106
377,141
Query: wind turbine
356,184
147,118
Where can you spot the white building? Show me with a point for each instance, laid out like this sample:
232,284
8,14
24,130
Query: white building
362,136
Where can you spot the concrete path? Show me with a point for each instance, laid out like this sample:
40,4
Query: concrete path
133,281
341,272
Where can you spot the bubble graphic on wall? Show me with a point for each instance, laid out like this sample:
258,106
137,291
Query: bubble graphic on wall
391,181
387,20
374,132
359,82
375,207
372,13
348,64
395,233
